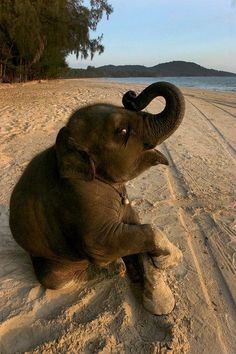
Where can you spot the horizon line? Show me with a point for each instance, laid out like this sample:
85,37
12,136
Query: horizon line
171,61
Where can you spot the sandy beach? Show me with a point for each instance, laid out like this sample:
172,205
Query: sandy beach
192,201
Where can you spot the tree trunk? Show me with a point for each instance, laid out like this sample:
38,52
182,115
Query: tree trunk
1,71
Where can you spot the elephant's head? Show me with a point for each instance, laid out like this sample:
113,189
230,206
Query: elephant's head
117,144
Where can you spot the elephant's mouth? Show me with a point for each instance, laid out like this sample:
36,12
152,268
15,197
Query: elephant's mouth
160,157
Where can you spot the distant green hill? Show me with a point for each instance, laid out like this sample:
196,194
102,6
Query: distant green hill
173,68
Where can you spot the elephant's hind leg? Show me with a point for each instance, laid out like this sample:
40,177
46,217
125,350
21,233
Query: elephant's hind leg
53,274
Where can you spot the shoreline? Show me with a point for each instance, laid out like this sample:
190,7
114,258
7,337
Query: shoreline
115,81
192,201
178,81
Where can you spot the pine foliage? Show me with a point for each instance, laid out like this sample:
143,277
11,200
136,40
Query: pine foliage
37,35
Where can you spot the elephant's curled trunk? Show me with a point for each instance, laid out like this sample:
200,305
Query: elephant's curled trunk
158,127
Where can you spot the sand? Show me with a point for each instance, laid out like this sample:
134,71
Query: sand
192,200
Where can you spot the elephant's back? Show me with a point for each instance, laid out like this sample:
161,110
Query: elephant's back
27,213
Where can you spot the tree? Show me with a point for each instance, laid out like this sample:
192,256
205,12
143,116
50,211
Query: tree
37,35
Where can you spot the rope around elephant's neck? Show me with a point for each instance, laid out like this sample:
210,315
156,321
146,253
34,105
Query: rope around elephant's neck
123,194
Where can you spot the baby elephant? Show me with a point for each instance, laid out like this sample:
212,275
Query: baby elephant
70,208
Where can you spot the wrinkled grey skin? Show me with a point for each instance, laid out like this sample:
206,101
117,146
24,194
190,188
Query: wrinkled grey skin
67,210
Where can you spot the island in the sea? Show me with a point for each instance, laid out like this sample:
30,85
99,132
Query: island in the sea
173,68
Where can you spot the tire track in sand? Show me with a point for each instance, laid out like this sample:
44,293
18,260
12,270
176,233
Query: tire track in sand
222,109
180,189
216,103
217,133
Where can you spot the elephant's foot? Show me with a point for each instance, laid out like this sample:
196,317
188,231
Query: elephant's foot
170,260
157,297
167,255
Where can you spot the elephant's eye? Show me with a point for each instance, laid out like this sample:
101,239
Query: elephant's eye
122,135
122,132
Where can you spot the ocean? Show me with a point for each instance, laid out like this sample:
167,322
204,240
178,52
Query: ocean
224,83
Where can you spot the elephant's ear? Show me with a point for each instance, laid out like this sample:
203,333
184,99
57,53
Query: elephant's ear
73,160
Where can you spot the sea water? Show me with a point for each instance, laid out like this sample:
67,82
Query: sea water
215,83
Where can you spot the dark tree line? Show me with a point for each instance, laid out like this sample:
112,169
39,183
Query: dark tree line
37,35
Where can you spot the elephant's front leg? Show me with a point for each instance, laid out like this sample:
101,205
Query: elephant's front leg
166,254
133,265
157,296
169,256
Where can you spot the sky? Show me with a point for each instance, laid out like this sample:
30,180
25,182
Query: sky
150,32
